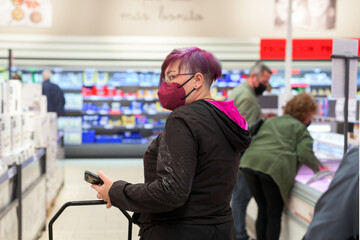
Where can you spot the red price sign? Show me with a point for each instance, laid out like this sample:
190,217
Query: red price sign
272,48
303,49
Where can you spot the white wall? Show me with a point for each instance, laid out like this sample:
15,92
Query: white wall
194,18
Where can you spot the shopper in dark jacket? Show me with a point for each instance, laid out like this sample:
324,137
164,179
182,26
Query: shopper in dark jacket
190,168
54,95
336,213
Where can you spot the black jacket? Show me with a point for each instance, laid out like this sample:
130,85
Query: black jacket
190,169
55,97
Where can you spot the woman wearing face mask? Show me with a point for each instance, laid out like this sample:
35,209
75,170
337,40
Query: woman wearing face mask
276,153
191,168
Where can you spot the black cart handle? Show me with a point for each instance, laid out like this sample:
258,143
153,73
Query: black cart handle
85,203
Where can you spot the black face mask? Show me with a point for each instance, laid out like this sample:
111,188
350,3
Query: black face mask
259,89
308,124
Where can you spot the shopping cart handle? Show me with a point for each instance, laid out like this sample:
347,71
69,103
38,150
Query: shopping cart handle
85,203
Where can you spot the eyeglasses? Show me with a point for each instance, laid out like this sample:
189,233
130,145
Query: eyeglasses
170,78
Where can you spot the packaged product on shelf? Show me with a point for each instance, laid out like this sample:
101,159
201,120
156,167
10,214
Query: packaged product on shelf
128,136
104,121
130,96
2,86
131,79
88,136
89,121
102,79
31,97
159,108
73,137
38,78
51,153
142,121
118,79
16,125
114,123
52,130
104,109
145,79
115,108
89,78
41,128
140,93
5,99
128,121
86,92
108,139
136,107
43,105
73,101
149,95
234,79
14,96
328,92
150,108
6,143
74,80
156,78
70,123
111,91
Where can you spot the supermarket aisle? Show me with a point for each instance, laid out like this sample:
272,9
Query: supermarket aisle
93,222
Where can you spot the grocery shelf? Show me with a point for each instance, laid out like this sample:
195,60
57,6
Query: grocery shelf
40,153
124,128
73,112
18,177
119,98
105,150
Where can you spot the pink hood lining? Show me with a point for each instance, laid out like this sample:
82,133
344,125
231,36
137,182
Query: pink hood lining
231,111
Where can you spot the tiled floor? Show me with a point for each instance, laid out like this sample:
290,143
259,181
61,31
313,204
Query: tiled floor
92,222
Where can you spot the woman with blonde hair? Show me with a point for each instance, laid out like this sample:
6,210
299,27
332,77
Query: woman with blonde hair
273,159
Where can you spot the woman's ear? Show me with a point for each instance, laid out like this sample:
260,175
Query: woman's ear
199,80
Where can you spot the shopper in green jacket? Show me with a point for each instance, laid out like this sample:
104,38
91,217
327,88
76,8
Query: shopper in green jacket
273,159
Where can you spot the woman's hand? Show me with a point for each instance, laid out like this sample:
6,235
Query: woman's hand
103,190
324,168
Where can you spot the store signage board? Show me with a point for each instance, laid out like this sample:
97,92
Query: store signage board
339,110
346,47
303,49
26,13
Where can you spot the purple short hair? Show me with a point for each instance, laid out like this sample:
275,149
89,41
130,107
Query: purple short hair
194,60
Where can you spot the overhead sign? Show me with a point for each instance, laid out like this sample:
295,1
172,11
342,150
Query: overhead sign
344,47
303,49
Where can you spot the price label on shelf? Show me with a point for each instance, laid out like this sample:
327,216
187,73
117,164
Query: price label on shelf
149,98
148,126
90,112
11,172
103,112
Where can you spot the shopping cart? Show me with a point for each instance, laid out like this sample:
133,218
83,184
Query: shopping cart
85,203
